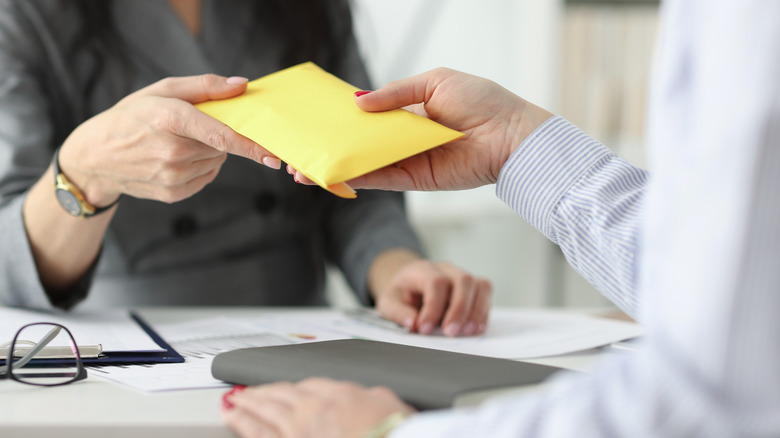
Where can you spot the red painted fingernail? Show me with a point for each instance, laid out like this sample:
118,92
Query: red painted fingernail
233,391
361,93
226,405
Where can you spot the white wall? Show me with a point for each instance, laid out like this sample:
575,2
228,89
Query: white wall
508,41
515,43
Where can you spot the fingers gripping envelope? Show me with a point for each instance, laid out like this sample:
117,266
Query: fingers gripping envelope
308,118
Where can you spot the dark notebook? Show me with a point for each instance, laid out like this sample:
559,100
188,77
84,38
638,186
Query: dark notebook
424,378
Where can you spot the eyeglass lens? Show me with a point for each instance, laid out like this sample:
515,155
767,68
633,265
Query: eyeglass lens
45,354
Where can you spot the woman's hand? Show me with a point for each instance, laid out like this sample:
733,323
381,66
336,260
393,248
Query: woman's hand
495,122
422,295
314,407
155,144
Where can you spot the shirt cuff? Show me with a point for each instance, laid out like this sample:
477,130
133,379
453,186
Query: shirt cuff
543,169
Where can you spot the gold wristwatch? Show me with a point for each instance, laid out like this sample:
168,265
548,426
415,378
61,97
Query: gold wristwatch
70,197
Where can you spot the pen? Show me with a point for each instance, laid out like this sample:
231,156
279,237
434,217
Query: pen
372,317
55,351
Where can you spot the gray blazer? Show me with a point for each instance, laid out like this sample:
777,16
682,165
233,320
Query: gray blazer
253,236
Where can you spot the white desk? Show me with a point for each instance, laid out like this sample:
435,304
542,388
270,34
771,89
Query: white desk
98,408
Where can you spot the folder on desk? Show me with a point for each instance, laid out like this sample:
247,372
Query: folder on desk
425,378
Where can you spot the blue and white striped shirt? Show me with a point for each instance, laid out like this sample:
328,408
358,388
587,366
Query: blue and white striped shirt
583,198
694,253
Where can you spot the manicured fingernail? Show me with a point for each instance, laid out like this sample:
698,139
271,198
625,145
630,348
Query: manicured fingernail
452,329
290,170
469,329
426,328
236,80
361,93
226,404
272,162
408,322
235,390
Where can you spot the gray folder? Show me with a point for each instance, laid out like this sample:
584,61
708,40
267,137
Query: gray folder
423,377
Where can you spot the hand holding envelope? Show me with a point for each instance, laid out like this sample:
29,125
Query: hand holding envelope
308,118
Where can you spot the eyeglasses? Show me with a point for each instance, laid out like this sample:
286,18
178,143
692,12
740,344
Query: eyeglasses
42,354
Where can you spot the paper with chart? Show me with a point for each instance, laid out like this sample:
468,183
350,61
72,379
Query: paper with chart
198,342
512,334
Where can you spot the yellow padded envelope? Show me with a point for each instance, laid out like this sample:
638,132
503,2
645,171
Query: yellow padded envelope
308,118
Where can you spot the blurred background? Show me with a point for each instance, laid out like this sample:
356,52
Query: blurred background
587,60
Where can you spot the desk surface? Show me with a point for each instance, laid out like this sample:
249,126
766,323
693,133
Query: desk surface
99,408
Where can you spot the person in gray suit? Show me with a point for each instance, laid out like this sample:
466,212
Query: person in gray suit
116,191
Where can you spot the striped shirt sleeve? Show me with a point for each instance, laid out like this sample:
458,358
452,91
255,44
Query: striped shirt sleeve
583,198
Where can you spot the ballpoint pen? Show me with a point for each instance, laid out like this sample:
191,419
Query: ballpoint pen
372,317
51,351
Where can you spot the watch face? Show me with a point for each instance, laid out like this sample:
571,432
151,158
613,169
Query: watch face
69,202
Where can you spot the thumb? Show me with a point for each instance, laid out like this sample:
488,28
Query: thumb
404,92
197,89
392,96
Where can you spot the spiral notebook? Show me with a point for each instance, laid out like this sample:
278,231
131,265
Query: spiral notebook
425,378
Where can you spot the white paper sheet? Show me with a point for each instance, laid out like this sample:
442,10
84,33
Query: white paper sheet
114,329
511,334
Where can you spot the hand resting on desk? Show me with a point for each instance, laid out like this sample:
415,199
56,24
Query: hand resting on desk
313,407
421,295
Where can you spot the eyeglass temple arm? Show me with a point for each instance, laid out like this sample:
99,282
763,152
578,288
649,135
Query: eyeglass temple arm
33,351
